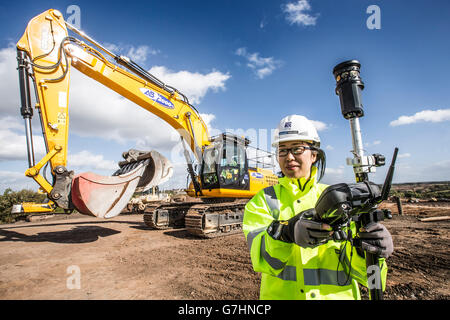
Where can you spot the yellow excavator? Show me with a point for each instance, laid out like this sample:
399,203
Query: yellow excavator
221,182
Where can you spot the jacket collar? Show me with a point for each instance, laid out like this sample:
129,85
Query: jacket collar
301,185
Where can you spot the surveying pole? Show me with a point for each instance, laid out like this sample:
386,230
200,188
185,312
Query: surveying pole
348,87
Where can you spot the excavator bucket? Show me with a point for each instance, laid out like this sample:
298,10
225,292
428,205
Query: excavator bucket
106,197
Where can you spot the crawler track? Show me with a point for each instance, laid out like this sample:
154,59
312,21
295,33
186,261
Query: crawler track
215,220
167,216
149,220
206,220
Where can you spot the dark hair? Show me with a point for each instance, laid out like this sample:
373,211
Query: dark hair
320,163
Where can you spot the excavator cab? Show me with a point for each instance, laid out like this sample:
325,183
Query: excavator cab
225,164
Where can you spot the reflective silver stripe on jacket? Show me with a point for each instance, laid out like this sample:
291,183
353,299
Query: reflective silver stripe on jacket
315,277
289,273
272,202
273,262
252,235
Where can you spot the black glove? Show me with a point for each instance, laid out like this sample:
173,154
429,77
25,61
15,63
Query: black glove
376,239
301,230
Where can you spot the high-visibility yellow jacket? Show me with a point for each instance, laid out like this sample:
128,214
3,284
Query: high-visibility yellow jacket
290,271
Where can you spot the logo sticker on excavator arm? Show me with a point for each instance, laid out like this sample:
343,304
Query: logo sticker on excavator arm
257,175
155,96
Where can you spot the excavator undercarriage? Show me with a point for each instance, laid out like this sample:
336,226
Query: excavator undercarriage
207,220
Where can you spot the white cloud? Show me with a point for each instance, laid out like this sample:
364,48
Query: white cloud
404,155
329,147
335,171
262,24
10,176
369,144
262,73
179,178
137,54
411,172
9,90
336,175
86,159
208,118
442,169
16,181
192,84
295,13
10,123
13,141
262,67
320,126
423,116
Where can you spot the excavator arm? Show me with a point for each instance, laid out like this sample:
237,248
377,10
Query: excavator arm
46,54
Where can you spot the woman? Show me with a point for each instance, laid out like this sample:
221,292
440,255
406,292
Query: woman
297,257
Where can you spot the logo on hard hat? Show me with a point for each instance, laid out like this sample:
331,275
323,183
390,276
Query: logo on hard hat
288,124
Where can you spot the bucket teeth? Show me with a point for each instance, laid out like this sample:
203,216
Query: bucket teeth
130,167
158,168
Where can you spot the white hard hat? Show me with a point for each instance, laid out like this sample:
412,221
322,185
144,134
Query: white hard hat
295,127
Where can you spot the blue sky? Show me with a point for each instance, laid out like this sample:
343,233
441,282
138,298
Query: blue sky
245,65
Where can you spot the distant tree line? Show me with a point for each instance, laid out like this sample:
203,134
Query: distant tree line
423,192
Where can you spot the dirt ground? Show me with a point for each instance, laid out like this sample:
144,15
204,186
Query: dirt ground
121,258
